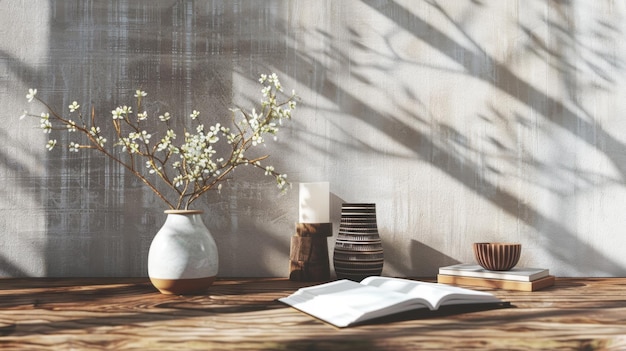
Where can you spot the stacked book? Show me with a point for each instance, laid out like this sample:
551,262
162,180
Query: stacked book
518,278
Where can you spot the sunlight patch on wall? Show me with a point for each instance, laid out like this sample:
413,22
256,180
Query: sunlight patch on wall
22,157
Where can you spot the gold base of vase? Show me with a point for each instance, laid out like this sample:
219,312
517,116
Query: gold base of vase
182,286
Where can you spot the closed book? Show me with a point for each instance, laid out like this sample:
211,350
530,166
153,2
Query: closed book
535,285
522,274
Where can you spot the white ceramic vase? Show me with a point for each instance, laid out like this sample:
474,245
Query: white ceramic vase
183,257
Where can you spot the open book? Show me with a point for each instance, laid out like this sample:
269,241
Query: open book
345,302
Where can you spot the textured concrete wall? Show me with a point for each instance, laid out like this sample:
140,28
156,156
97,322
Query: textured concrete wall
463,121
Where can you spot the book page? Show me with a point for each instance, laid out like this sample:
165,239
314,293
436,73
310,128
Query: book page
436,294
345,302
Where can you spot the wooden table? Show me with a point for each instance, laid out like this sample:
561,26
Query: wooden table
242,314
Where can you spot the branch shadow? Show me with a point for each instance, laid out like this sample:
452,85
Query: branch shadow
447,154
578,123
466,173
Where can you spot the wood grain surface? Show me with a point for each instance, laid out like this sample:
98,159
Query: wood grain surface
243,314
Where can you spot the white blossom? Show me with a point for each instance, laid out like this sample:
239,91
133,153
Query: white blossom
281,181
140,93
165,117
74,147
94,131
71,126
117,113
145,136
46,126
74,106
31,94
126,110
133,148
152,168
100,140
179,180
50,145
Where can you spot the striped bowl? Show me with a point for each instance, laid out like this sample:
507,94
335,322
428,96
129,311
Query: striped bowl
497,256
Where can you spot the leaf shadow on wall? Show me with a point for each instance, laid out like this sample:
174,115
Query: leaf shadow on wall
579,123
442,145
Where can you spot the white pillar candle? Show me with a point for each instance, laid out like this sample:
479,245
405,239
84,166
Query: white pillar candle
314,203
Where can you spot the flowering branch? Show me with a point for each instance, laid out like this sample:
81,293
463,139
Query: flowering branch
190,168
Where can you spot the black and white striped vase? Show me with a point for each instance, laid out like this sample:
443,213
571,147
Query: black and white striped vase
358,251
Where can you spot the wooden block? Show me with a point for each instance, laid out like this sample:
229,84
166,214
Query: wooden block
309,271
308,253
314,229
497,283
309,249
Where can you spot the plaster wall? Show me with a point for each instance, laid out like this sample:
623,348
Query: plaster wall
463,121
